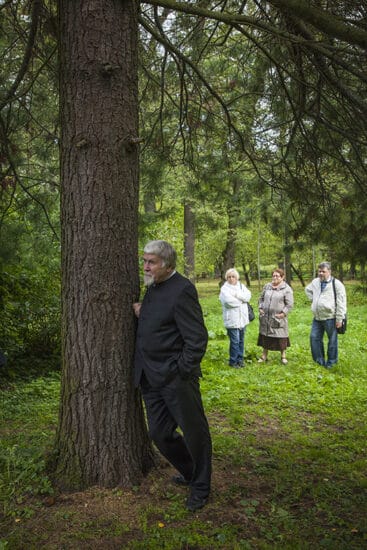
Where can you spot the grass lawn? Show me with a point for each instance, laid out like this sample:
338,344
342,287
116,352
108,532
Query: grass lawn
289,465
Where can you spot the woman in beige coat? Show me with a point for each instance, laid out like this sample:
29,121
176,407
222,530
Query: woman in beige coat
275,302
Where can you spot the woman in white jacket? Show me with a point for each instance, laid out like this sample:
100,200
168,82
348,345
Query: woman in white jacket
234,297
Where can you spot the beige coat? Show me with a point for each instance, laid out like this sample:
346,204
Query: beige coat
272,301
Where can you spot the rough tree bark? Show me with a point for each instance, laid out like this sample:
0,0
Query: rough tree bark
101,438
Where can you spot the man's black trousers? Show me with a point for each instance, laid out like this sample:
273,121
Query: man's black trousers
179,404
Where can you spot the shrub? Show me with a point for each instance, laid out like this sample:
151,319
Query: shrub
30,328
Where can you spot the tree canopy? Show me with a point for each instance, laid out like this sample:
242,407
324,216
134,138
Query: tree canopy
280,83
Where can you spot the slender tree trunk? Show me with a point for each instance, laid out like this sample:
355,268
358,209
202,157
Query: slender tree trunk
246,274
299,274
259,242
189,241
233,211
363,270
101,438
288,265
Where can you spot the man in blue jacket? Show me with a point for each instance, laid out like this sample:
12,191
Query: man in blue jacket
170,343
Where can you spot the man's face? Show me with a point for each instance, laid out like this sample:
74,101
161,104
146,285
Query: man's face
324,274
154,271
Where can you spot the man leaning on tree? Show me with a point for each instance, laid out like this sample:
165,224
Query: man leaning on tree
170,343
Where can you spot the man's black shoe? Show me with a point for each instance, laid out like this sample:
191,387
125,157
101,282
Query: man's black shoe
194,503
180,480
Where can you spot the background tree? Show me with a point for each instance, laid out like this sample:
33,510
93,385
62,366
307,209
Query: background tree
297,92
29,189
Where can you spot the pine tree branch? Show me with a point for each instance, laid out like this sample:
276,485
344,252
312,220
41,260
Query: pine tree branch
324,21
36,11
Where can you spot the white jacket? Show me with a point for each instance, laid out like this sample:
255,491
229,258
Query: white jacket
323,303
234,300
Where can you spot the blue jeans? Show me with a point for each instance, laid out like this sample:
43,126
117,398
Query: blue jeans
317,342
236,345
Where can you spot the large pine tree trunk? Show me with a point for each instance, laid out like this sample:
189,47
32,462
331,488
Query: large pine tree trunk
101,437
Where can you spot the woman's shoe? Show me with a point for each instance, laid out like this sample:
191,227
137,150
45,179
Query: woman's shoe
284,361
262,360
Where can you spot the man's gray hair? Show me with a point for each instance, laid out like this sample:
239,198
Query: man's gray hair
163,250
325,265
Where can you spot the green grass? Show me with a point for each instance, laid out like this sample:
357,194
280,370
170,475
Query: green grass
289,455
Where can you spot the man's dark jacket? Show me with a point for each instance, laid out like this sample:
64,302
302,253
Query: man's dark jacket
171,336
